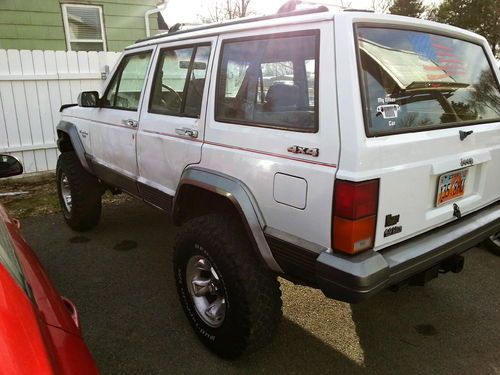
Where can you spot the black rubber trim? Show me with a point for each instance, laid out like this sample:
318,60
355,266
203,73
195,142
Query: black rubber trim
64,106
71,130
296,257
113,178
239,195
139,190
155,197
355,278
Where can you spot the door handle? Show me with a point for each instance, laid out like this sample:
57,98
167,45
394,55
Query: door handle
186,131
131,123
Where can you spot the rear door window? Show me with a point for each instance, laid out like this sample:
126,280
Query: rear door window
179,81
170,81
416,81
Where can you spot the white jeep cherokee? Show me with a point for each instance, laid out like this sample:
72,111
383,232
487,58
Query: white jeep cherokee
348,151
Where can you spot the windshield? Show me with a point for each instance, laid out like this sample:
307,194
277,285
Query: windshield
8,257
414,80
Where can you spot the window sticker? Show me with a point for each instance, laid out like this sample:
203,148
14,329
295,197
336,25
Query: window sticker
388,110
386,100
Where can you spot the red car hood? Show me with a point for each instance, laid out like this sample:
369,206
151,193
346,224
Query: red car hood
23,347
48,300
37,335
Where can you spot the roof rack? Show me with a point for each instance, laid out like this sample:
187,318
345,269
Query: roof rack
359,10
319,9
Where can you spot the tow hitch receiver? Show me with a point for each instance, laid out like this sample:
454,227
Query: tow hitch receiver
454,264
422,278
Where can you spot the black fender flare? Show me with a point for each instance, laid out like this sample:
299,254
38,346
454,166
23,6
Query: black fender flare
71,131
239,195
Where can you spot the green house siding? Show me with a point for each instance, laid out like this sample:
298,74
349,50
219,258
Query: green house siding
38,24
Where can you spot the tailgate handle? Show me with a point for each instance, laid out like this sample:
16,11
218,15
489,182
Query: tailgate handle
465,134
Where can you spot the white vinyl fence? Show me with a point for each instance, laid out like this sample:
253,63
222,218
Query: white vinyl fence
33,86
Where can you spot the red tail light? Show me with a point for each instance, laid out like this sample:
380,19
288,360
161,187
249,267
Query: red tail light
354,215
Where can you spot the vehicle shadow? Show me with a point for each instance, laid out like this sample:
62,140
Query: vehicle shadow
120,277
450,326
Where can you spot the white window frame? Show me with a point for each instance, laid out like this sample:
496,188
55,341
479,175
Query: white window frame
67,31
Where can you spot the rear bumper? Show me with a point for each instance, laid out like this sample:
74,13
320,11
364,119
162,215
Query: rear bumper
355,278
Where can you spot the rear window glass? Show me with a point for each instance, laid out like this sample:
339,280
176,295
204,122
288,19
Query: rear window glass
414,81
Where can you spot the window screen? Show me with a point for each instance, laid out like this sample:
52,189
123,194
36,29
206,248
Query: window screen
415,80
269,82
84,27
126,87
179,81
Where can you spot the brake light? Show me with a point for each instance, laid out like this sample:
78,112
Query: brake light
354,215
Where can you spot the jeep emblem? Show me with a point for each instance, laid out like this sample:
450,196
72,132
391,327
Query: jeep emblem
466,161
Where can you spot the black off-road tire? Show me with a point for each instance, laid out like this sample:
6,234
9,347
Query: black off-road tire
493,244
86,192
252,292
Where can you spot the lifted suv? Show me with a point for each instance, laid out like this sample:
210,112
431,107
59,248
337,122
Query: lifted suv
349,152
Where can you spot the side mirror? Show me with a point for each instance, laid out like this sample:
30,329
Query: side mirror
88,99
10,166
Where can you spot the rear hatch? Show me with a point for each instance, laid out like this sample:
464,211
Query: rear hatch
431,108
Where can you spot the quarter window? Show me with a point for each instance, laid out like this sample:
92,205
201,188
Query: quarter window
84,27
270,82
179,81
126,87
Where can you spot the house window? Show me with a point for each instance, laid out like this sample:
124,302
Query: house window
84,27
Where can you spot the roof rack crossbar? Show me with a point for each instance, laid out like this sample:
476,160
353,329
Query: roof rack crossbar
359,10
319,9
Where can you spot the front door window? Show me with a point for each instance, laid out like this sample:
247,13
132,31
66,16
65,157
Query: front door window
125,90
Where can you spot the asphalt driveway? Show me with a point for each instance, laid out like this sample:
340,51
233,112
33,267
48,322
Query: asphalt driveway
120,277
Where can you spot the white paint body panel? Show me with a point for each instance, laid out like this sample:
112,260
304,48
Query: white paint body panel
408,165
162,154
113,141
254,155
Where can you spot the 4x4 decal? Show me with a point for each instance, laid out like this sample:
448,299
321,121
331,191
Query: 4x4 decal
304,150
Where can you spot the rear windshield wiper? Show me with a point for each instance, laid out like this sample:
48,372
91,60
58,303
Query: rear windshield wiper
433,85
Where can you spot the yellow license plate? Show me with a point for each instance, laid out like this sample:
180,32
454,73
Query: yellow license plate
451,186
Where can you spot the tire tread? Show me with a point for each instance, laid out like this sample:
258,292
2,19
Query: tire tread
86,193
259,293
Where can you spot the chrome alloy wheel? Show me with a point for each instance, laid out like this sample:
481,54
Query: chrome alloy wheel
66,192
495,238
206,290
